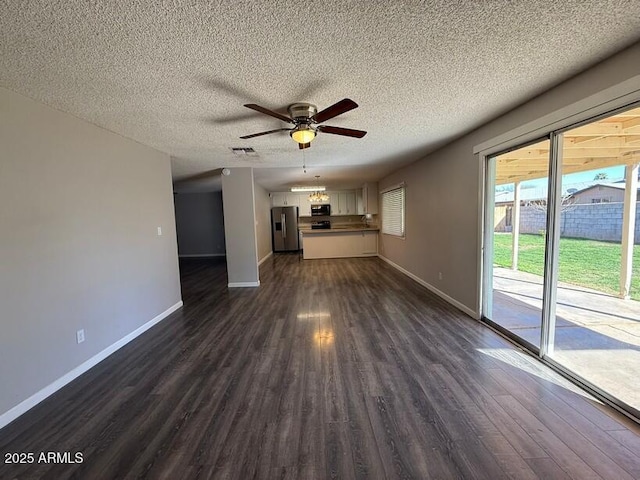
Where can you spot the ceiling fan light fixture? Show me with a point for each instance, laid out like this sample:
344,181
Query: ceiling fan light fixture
306,121
303,134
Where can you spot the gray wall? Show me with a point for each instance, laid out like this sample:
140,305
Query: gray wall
444,188
79,212
200,224
240,227
263,221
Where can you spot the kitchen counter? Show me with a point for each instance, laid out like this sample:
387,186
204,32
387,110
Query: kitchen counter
340,242
309,231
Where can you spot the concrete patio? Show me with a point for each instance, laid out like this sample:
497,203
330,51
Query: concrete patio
597,335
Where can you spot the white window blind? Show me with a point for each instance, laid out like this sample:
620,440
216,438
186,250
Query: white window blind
393,212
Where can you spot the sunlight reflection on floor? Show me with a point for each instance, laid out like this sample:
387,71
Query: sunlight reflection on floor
524,362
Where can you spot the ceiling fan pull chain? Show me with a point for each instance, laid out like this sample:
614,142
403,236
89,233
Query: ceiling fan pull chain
304,162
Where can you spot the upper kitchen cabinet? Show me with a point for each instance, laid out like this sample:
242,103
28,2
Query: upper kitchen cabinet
369,198
304,207
284,199
343,203
347,203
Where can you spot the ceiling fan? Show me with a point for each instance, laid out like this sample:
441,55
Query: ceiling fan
305,118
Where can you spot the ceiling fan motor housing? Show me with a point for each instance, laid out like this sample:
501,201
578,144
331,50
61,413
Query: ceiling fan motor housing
302,112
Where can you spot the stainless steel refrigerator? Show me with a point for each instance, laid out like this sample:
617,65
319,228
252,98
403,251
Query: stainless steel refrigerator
284,229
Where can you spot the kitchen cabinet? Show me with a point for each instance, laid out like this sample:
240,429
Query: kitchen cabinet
340,243
278,200
304,205
359,202
369,243
369,198
334,202
343,203
284,199
347,201
293,199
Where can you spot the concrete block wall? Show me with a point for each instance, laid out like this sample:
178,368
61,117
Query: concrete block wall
598,221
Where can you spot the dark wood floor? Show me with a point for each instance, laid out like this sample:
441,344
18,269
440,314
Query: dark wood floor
331,369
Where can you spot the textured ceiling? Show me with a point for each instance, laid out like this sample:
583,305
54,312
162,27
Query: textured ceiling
175,74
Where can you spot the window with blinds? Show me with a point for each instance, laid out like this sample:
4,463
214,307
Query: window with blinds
393,212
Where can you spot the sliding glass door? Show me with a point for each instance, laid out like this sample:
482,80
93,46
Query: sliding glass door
597,327
561,263
517,185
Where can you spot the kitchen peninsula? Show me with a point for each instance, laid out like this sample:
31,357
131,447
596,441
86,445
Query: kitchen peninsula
340,242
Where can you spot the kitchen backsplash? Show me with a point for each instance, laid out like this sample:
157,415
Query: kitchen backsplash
305,222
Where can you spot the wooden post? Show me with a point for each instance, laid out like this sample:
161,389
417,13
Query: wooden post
515,225
628,228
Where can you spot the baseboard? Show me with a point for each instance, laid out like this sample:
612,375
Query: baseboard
203,255
265,258
10,415
433,289
243,284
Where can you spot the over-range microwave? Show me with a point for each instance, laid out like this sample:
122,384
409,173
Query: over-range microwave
317,210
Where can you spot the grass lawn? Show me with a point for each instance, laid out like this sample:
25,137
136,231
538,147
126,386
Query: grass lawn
588,263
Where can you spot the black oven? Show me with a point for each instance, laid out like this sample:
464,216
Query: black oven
321,225
317,210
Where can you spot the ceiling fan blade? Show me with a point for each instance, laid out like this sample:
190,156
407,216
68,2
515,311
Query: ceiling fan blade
334,110
266,111
302,146
265,133
347,132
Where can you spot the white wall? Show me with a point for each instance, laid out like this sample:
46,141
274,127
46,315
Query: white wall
443,189
79,212
263,221
200,224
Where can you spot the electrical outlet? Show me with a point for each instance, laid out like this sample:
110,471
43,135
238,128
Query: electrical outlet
439,275
159,231
80,335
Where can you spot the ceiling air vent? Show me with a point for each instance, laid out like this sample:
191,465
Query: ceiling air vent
244,151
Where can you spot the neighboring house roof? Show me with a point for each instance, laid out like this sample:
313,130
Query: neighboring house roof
526,195
533,194
614,185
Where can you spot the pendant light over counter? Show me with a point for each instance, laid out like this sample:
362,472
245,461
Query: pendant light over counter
319,195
